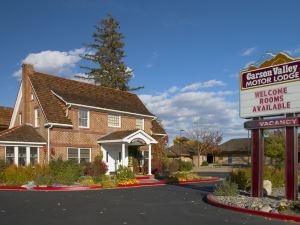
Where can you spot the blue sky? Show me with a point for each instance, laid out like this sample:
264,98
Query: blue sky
186,53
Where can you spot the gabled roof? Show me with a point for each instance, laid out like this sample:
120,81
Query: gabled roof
236,145
5,116
53,92
180,150
127,136
157,128
21,134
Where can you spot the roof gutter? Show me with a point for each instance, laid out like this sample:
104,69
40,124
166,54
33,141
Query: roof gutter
69,104
58,125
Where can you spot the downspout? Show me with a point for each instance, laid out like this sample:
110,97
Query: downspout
49,146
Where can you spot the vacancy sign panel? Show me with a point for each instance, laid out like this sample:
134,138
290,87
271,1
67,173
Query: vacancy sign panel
270,91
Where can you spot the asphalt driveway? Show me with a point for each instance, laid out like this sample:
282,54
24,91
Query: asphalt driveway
165,205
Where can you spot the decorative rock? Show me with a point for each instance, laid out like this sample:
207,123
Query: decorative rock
266,208
268,187
282,206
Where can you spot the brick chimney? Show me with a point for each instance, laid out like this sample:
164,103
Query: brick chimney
27,69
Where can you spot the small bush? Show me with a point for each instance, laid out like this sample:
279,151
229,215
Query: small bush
65,172
3,167
227,189
125,176
186,166
86,181
184,176
275,175
242,177
124,173
43,175
96,168
174,166
204,163
18,175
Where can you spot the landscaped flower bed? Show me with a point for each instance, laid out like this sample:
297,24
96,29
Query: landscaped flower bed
234,194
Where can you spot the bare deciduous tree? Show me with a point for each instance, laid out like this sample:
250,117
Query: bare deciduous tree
205,141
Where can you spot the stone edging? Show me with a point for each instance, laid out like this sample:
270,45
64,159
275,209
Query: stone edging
211,200
19,188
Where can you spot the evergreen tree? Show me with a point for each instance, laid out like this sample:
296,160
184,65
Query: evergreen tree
108,55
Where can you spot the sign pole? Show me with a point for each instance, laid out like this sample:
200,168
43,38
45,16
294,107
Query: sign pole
257,160
291,162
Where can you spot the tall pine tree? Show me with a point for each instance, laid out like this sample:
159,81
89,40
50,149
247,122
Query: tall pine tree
108,54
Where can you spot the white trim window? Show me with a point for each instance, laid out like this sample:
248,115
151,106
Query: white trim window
10,154
114,120
22,155
84,118
37,117
139,123
80,155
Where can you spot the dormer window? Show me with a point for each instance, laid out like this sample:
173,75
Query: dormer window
84,118
139,123
114,120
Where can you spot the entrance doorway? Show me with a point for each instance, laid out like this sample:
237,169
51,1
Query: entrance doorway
210,158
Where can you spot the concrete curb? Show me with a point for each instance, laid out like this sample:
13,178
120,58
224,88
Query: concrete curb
72,188
211,200
16,188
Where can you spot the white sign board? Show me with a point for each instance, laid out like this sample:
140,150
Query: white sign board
270,91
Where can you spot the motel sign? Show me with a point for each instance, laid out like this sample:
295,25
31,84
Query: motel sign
270,98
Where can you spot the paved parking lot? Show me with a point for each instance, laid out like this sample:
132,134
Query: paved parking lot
166,205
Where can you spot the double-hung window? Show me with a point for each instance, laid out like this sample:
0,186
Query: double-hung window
114,120
84,118
10,154
22,155
139,123
79,155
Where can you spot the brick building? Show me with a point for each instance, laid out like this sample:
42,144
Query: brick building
57,117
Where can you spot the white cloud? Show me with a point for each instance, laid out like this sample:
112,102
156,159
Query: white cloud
248,51
180,110
199,85
149,65
57,62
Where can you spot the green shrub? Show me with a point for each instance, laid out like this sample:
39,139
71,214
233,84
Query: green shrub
18,175
185,166
3,167
43,175
86,181
174,166
275,175
242,177
65,172
204,163
124,173
227,189
184,176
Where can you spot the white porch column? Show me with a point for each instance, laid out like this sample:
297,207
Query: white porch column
123,154
27,156
16,159
149,160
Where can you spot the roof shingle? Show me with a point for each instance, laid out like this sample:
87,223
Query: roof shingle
24,133
5,115
83,94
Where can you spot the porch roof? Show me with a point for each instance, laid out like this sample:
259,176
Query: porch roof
128,136
24,134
